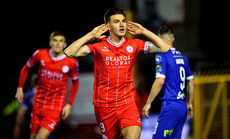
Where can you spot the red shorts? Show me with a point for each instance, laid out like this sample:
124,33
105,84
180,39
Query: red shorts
113,120
44,118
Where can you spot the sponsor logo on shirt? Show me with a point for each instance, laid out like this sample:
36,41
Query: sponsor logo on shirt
51,75
105,49
158,68
118,60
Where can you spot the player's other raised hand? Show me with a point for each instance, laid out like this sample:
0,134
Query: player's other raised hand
98,31
135,28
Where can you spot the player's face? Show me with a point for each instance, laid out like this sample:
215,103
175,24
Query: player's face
57,43
117,25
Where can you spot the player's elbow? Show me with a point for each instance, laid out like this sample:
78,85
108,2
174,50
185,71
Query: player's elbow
68,53
160,81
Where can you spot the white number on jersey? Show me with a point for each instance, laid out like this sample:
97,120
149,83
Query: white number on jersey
182,85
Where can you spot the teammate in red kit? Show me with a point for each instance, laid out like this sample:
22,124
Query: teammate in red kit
114,57
54,71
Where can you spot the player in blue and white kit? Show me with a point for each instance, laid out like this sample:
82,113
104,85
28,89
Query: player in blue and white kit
173,74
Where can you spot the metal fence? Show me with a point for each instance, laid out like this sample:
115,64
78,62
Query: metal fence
211,106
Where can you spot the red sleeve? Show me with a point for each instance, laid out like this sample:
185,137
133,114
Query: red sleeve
24,71
90,48
23,76
93,45
73,91
75,71
141,45
33,59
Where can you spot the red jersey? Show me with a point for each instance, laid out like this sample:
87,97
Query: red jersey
53,76
113,82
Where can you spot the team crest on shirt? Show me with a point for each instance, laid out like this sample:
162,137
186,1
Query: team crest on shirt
129,49
65,69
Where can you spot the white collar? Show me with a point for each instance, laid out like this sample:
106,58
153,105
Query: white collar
117,45
56,58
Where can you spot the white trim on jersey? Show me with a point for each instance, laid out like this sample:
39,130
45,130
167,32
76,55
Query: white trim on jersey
117,45
75,78
146,47
56,58
88,49
158,75
189,77
28,64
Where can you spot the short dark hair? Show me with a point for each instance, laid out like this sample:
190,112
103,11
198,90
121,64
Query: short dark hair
56,33
165,29
113,11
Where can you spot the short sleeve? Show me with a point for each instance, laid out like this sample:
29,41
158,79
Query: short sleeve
141,45
160,63
90,48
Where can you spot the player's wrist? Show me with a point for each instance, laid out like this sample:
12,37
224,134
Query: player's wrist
19,89
91,35
69,104
148,103
144,31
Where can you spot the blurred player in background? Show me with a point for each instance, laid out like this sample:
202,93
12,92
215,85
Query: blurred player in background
172,76
54,71
114,57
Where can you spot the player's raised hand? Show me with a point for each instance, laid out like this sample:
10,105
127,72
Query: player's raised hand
135,28
98,31
19,95
145,111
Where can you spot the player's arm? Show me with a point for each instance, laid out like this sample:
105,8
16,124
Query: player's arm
78,48
157,45
73,92
190,93
156,88
23,75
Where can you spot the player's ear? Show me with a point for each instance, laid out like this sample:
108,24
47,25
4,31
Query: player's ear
173,39
108,25
50,44
65,45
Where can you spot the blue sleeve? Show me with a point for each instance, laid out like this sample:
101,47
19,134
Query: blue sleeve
160,62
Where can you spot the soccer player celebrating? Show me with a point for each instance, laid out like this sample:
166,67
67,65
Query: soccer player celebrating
54,71
172,76
114,56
